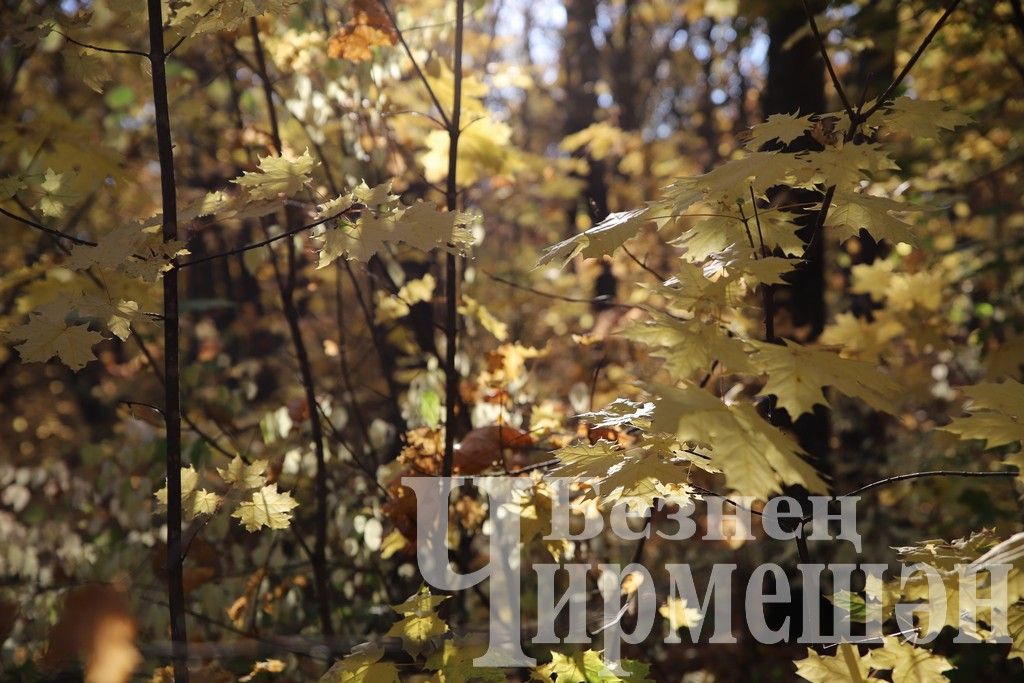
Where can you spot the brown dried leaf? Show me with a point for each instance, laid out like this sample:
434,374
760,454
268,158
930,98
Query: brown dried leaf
368,28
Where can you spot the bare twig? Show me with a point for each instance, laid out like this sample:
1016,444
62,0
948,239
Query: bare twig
97,48
919,475
642,264
261,243
49,231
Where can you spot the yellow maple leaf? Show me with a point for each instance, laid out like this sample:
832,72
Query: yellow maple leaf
997,414
246,476
659,467
679,615
797,374
454,664
689,345
48,334
909,664
362,666
194,501
846,666
600,240
756,457
278,175
782,127
920,118
268,507
852,211
420,624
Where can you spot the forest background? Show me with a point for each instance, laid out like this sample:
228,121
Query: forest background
262,258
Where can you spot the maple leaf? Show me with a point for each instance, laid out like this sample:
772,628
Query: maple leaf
423,227
600,240
53,199
656,468
844,166
118,316
835,668
588,667
797,374
759,171
278,175
909,664
88,67
47,334
112,249
11,185
852,211
782,127
689,345
364,665
600,139
368,28
679,615
920,118
268,507
693,291
454,664
194,501
862,339
712,236
997,414
245,476
756,458
203,16
900,291
359,241
420,624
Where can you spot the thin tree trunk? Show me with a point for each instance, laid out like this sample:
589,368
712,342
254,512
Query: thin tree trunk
796,82
452,262
581,64
286,285
172,369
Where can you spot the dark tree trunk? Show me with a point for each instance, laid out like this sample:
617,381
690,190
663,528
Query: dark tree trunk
796,82
580,68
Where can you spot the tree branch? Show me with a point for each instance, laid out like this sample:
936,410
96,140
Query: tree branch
286,285
828,62
913,60
97,48
49,231
261,243
415,65
919,475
